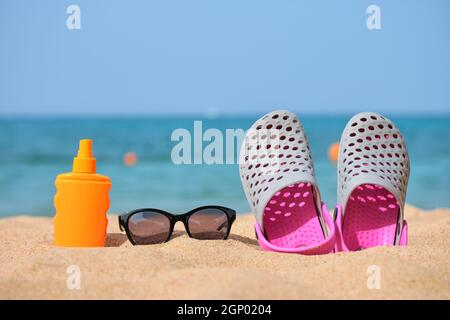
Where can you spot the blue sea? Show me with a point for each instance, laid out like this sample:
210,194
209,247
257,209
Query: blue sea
35,150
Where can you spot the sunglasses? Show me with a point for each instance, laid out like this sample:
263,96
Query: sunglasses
152,226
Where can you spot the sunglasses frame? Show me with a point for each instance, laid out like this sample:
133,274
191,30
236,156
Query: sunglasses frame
174,218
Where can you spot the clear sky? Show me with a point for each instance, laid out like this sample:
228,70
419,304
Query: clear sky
224,56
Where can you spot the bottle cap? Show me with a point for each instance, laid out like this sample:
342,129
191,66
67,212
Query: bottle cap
84,162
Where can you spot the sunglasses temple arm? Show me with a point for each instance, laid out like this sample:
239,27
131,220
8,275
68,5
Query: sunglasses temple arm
120,225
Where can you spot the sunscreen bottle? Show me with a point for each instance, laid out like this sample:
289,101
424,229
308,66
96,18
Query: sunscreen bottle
81,202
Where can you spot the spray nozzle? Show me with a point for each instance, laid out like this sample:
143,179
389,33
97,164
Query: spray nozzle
84,162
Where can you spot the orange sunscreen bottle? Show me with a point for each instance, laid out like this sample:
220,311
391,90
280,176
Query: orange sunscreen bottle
81,202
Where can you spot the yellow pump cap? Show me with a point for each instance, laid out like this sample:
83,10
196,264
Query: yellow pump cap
84,162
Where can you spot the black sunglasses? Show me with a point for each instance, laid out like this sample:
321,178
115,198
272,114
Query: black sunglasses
151,226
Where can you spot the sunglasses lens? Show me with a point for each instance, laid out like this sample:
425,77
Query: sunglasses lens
149,227
208,224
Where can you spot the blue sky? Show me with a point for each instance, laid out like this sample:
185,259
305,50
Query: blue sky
224,56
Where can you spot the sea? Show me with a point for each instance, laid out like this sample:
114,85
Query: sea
34,150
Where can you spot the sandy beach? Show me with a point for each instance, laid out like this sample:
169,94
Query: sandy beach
183,268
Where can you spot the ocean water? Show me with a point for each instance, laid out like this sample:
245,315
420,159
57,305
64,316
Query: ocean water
34,150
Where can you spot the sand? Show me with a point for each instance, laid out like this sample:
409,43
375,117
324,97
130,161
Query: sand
183,268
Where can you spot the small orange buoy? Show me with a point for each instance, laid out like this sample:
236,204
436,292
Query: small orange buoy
130,159
333,152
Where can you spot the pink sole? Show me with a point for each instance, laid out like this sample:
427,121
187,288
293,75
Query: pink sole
290,218
370,218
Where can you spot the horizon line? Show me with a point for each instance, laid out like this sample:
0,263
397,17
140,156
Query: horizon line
207,115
